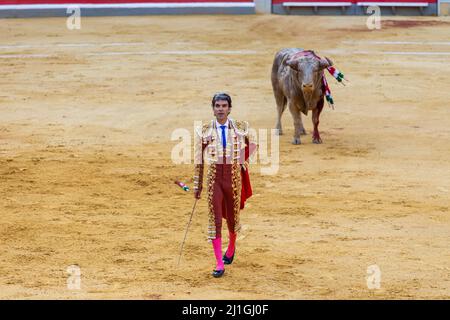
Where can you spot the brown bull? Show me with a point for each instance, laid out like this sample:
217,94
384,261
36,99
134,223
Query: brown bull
297,81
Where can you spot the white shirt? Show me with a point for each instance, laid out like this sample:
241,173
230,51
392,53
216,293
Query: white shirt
219,130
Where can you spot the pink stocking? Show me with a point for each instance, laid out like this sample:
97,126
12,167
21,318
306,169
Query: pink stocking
217,245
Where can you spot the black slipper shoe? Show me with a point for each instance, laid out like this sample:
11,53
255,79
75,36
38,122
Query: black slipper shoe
227,260
218,273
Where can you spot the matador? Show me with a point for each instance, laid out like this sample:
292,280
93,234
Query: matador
225,145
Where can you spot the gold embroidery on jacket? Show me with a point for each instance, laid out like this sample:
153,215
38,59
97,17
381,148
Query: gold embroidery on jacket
214,151
211,220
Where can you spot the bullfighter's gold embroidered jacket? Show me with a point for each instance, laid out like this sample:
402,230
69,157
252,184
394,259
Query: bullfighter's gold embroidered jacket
208,148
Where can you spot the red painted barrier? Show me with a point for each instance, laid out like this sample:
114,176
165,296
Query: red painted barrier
18,2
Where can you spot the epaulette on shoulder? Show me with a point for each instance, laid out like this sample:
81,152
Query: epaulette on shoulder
241,126
204,130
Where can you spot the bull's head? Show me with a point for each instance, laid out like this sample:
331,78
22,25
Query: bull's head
309,72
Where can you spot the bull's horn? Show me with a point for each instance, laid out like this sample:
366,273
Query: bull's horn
325,63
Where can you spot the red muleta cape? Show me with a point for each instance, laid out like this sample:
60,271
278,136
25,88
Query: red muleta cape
246,190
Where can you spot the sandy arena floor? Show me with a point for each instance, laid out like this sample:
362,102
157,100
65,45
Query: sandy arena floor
86,118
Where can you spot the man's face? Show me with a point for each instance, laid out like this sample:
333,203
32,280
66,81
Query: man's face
221,110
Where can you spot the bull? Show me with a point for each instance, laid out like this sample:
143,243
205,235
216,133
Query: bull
297,81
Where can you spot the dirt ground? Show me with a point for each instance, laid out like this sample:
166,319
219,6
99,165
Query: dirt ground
86,177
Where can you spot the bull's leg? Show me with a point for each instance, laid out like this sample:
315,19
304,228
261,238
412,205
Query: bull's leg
315,120
302,128
297,123
281,106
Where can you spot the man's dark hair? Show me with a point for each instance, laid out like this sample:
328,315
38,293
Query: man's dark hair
221,96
